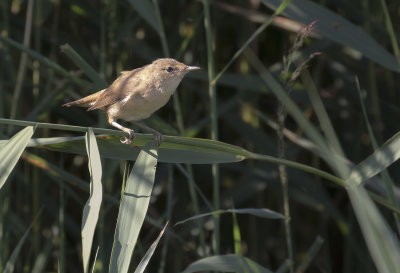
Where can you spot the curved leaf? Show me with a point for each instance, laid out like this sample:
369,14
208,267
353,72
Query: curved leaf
92,206
264,213
11,150
143,263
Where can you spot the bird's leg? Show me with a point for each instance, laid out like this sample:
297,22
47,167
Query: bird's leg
158,135
130,132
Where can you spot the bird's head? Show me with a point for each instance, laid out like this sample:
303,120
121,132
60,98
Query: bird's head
170,71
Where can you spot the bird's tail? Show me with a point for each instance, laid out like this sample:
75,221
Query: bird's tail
86,101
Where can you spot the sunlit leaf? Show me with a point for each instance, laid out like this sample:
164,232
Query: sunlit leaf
133,208
379,160
143,263
11,150
92,206
172,150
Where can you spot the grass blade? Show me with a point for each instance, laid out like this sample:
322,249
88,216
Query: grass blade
212,93
382,243
226,263
264,213
133,208
378,161
11,150
312,252
92,206
143,263
389,185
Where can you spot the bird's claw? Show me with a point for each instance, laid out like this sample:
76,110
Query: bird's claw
159,137
128,140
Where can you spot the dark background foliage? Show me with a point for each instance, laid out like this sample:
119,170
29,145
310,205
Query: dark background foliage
113,36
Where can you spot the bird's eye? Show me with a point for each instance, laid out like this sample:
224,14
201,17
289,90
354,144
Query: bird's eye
169,69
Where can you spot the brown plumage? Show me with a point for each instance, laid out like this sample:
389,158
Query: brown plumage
136,94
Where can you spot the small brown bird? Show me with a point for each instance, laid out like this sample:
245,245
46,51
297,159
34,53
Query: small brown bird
137,94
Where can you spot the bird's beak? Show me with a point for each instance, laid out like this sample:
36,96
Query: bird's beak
192,68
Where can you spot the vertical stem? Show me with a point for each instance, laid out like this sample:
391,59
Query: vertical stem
36,63
5,195
61,221
214,119
284,181
196,206
282,114
170,192
36,230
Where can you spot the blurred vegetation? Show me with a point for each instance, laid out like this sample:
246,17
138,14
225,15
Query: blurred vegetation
52,52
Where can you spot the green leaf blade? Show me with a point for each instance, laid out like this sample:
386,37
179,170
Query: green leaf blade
172,150
143,263
133,208
378,161
92,206
11,151
261,212
382,243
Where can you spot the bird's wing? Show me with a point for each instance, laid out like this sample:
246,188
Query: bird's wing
118,90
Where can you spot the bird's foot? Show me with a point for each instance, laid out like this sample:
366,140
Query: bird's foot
159,137
128,140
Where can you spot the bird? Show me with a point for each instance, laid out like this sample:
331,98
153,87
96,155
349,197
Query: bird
137,94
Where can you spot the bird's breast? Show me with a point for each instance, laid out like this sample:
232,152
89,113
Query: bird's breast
140,104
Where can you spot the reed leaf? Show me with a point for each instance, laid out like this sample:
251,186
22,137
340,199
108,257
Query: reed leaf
143,263
11,150
134,204
263,213
92,206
